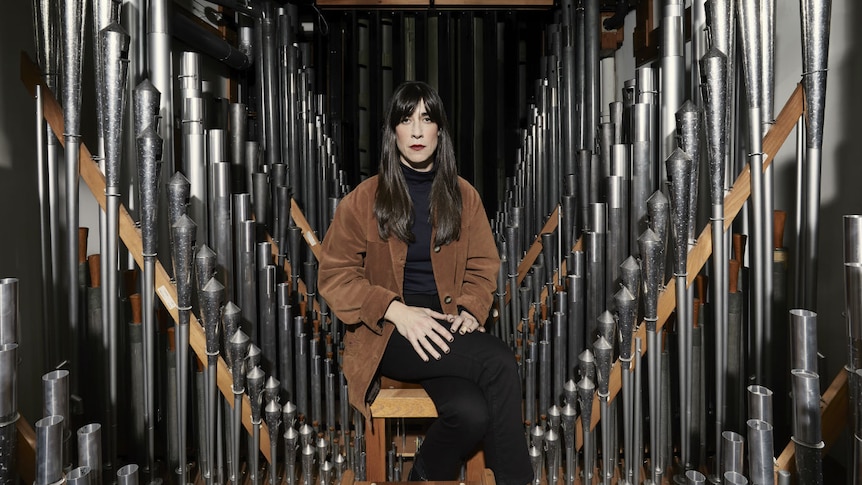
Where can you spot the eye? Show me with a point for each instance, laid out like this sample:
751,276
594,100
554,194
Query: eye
405,120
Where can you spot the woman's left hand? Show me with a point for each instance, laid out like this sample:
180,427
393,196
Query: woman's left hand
464,322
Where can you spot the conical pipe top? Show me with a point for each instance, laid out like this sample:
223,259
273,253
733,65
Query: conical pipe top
72,45
606,325
658,208
816,19
586,390
272,416
149,145
237,349
749,12
179,190
271,389
604,360
231,317
211,296
146,105
626,315
714,91
205,265
630,277
679,172
254,383
184,232
47,41
688,130
652,255
115,54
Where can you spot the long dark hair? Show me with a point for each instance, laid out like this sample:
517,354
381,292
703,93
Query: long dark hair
392,206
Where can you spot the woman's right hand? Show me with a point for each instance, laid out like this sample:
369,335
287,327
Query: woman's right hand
420,327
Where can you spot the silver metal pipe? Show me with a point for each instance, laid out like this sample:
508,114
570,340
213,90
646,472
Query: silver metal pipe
732,457
194,163
679,168
308,464
49,450
672,74
816,19
714,92
9,413
806,405
652,258
184,233
750,18
238,350
56,397
159,65
128,475
222,228
72,26
586,391
114,49
592,44
734,478
254,387
79,476
803,342
760,452
90,450
267,317
604,359
47,42
694,477
626,314
291,437
569,414
637,458
211,296
760,403
272,414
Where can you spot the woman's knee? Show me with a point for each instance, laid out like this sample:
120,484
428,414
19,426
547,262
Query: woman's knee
468,414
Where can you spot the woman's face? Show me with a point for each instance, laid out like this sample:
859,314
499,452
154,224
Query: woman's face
416,139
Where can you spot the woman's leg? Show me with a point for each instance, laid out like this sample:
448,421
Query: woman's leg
483,362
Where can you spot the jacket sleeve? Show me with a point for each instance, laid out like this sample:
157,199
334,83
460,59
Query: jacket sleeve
342,277
483,260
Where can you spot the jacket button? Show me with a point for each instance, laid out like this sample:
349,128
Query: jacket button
436,249
447,300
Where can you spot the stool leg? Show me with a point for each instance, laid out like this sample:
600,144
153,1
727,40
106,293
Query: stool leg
375,450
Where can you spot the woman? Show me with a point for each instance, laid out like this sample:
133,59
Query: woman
409,264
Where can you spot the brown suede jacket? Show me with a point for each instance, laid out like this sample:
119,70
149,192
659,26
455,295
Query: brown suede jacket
360,274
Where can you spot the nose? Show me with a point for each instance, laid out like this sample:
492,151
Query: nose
417,130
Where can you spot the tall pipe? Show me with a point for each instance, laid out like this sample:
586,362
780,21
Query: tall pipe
90,450
72,26
714,87
47,42
184,232
679,171
749,21
652,256
49,445
211,296
760,452
159,64
816,18
56,398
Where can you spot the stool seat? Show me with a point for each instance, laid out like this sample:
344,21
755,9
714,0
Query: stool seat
398,399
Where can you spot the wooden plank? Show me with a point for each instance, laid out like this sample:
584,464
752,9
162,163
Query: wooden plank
403,403
131,237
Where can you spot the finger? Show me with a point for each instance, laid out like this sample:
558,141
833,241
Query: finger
438,315
431,349
440,338
456,324
419,351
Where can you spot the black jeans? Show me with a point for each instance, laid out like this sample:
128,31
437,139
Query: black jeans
477,392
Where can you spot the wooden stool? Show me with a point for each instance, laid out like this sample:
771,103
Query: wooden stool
402,400
486,478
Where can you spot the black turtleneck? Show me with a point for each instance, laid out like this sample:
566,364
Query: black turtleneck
418,272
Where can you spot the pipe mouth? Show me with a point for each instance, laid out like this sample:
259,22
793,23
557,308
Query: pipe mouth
802,313
759,425
55,375
89,429
127,470
732,437
78,473
8,281
49,421
759,390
